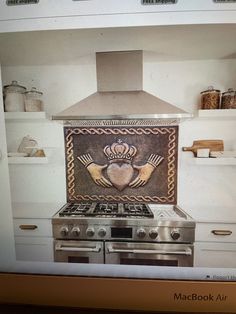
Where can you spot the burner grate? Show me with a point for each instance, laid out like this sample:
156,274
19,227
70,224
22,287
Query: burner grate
106,208
137,210
73,209
131,210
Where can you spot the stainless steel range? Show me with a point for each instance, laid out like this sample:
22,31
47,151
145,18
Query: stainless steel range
123,233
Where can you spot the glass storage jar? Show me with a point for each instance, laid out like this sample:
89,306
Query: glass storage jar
228,99
33,101
210,98
14,97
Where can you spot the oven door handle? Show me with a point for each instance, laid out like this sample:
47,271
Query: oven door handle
61,247
187,251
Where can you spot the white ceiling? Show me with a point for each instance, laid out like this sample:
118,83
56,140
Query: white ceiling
162,42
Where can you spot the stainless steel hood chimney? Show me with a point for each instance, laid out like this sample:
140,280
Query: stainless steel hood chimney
120,93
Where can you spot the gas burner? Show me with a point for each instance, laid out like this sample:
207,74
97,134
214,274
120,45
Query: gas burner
137,210
131,210
106,208
134,210
73,209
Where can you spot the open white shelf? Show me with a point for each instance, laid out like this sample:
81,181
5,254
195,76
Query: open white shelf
27,160
218,114
25,116
229,161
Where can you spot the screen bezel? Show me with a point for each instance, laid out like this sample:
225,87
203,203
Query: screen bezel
114,293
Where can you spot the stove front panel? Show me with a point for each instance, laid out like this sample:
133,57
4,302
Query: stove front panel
121,163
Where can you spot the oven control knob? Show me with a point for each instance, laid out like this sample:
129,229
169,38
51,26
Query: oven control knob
102,232
75,231
90,232
64,231
175,234
141,233
153,233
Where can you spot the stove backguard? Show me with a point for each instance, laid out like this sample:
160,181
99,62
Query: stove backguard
130,161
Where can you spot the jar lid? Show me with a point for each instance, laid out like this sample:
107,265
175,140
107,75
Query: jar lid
14,87
211,89
230,91
34,91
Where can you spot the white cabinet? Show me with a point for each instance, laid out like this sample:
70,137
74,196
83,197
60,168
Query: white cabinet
33,239
34,249
215,245
215,254
215,232
32,227
33,230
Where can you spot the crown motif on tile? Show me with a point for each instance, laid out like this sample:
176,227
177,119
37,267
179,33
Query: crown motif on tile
120,150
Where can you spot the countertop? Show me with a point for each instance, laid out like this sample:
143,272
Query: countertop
211,214
201,214
35,210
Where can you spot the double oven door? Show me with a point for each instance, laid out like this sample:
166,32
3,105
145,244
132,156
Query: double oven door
127,253
149,254
88,252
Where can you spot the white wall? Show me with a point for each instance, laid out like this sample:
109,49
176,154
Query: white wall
179,83
62,86
7,255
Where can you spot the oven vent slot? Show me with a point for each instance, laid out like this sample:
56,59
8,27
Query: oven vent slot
117,123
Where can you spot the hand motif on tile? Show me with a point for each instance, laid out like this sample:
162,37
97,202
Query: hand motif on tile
146,170
95,170
120,170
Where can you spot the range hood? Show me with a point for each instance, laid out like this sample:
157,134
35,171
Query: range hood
120,93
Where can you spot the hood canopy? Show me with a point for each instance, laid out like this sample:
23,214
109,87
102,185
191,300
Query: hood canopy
120,93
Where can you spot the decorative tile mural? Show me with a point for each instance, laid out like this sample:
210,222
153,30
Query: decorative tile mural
122,163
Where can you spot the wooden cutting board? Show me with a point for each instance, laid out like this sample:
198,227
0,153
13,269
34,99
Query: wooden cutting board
213,145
